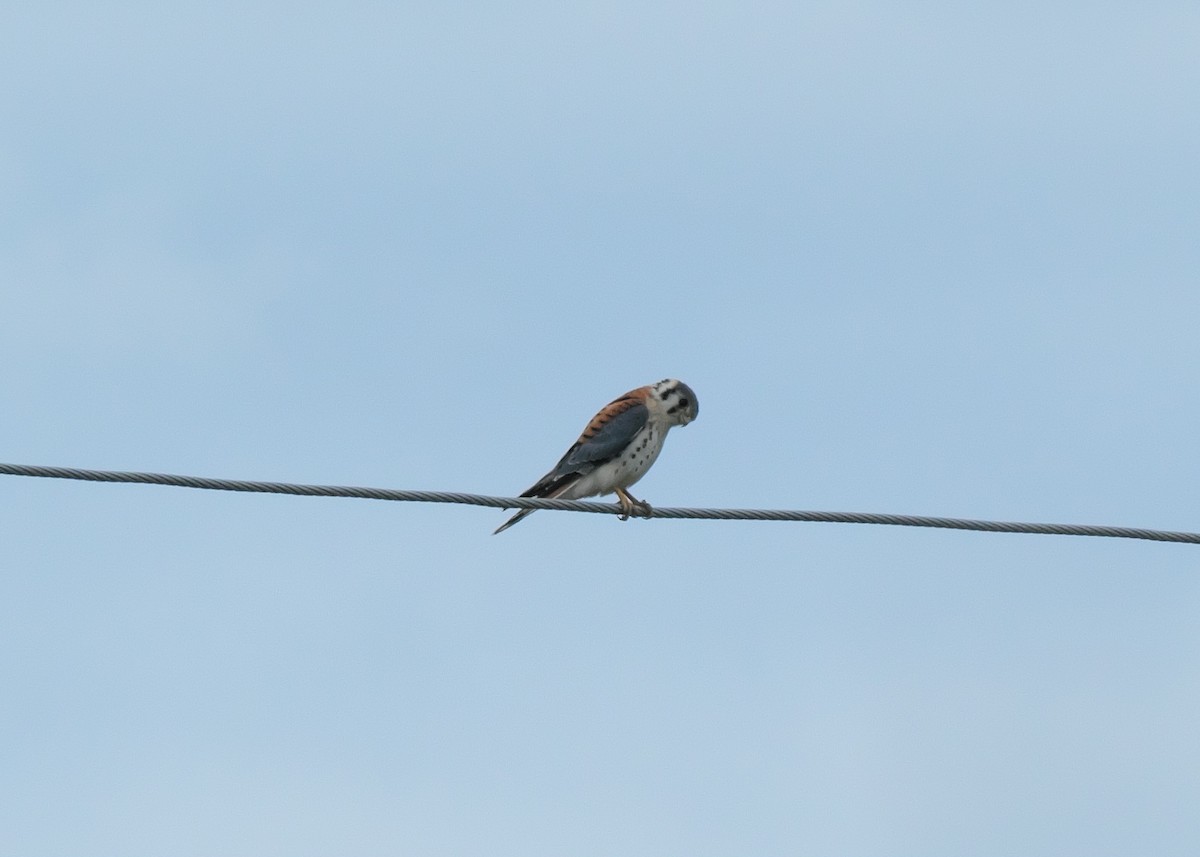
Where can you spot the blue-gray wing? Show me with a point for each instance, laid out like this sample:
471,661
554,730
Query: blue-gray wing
606,437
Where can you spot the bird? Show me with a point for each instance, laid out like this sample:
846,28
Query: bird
617,448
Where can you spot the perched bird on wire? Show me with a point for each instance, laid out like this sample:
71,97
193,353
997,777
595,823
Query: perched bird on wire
617,448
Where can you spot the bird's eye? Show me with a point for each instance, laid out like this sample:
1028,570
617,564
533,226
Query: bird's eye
684,403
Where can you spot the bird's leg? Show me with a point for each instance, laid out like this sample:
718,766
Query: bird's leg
629,505
626,504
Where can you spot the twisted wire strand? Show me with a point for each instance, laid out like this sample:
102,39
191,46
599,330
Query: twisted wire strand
207,483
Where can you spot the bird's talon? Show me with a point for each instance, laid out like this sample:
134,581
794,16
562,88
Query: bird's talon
631,507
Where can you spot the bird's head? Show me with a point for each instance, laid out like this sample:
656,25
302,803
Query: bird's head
678,401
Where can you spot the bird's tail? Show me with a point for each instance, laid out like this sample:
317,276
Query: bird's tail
524,513
553,494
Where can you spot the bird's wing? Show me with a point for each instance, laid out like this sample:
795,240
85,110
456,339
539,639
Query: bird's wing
606,436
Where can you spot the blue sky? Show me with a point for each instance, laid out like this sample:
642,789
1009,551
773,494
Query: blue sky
930,259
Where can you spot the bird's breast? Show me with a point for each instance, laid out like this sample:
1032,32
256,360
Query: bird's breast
633,462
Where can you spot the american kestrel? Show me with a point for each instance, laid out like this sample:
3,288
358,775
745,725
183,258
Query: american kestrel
617,448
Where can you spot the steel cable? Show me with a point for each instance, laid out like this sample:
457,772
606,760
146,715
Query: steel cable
207,483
